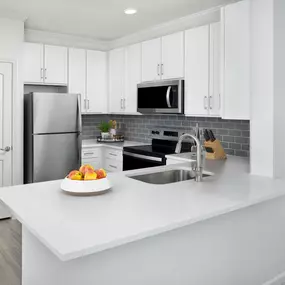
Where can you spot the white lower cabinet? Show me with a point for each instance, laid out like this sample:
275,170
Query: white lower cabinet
103,157
92,156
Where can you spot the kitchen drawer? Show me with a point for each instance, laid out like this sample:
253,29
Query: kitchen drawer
91,153
112,165
113,154
95,162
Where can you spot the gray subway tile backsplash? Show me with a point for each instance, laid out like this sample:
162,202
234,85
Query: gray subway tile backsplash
234,134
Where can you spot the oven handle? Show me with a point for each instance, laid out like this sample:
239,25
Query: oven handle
146,157
168,97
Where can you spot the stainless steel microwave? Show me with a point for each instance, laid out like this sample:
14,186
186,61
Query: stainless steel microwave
161,97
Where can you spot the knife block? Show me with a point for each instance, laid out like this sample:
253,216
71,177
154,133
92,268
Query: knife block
214,150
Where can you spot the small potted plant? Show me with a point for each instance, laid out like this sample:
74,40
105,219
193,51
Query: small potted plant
104,127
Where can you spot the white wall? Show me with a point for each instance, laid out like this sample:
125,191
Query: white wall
279,88
262,89
11,40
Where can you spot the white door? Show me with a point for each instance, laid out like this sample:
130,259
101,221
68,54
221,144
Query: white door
96,82
55,65
197,71
77,74
236,97
151,60
116,80
33,63
6,85
133,77
172,56
215,58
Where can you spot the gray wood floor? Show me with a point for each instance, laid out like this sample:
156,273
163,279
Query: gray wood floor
10,252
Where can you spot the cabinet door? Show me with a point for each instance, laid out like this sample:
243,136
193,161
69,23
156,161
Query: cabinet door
151,60
116,80
215,57
132,78
172,56
55,65
96,82
77,74
33,63
236,96
197,71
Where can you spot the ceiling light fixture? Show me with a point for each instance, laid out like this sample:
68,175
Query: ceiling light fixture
130,11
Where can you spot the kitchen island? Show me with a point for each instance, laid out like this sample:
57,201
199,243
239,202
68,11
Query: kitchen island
226,230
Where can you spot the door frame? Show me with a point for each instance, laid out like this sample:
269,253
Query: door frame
17,125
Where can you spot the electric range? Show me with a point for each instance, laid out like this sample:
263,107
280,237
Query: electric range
163,143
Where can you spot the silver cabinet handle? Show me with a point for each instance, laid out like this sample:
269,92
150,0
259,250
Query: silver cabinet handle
85,105
6,149
158,68
124,104
205,102
113,154
88,104
42,73
88,153
162,69
113,166
45,73
168,97
210,102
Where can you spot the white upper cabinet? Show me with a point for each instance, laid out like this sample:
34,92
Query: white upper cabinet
215,70
172,51
197,71
202,71
151,60
77,74
55,65
236,73
45,64
116,80
132,77
33,62
96,94
163,58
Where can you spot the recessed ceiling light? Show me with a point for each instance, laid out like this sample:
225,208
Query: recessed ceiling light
130,11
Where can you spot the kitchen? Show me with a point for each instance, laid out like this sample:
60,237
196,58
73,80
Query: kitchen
210,70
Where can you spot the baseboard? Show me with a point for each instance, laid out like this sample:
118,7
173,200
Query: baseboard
277,280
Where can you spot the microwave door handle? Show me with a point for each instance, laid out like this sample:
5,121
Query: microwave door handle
168,97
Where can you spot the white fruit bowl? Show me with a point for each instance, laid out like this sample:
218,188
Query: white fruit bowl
92,187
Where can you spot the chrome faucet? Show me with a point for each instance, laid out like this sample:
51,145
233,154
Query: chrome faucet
199,163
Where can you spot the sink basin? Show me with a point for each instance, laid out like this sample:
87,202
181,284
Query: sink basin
167,177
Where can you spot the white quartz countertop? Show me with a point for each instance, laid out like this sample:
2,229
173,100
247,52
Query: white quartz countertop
115,145
73,227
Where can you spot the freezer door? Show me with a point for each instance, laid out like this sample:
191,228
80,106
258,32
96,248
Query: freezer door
56,113
55,156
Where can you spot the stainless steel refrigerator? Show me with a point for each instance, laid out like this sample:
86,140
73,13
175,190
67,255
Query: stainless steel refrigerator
52,136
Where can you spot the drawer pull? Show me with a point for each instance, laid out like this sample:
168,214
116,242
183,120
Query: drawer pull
113,166
113,154
88,153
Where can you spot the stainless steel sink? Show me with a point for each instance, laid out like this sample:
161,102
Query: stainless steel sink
167,177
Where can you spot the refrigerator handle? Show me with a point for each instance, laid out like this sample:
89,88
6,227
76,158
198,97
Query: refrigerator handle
79,114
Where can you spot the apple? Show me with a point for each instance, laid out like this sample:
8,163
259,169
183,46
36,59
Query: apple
75,175
90,175
84,168
101,173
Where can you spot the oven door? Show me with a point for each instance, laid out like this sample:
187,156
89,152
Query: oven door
133,161
165,97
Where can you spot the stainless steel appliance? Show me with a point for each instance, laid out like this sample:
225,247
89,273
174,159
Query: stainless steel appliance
162,97
163,143
52,135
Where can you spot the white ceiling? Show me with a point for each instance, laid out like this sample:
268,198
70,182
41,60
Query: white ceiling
100,19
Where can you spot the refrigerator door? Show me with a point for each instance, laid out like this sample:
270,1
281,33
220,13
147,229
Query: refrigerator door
55,155
56,113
